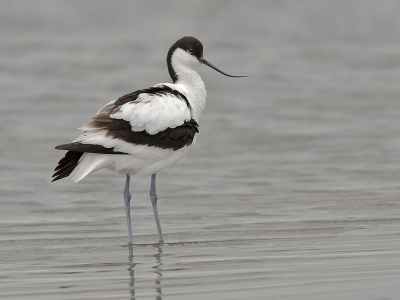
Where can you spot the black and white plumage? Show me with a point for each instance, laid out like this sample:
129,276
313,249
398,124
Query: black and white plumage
145,131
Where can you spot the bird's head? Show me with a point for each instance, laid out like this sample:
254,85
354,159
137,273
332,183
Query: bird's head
188,51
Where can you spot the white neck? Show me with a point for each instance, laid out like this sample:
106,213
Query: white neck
189,81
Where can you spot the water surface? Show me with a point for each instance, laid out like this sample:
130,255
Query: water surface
291,191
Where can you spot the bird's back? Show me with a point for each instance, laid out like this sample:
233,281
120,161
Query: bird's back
139,133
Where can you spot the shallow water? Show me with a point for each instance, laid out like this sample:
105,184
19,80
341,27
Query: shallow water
291,191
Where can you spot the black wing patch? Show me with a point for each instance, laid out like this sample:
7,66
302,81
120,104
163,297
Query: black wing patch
170,138
155,90
79,147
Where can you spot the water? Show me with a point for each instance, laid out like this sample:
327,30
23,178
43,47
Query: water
291,191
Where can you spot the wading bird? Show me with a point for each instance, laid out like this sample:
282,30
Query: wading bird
145,131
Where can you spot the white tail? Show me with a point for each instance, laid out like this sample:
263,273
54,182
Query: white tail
89,163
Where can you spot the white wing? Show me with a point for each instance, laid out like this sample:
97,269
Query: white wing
153,112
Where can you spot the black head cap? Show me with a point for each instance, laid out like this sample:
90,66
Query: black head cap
189,44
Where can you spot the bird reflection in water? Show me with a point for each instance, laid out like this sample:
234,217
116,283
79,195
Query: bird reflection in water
131,273
156,268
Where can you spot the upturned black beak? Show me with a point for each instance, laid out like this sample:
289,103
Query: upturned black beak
204,62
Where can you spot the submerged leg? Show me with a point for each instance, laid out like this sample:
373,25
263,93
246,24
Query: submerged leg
127,198
153,197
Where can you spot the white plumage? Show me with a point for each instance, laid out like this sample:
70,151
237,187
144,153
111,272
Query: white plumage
154,113
141,164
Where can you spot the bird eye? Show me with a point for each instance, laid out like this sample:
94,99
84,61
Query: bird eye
190,50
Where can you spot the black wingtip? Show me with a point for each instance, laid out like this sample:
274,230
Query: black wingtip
66,165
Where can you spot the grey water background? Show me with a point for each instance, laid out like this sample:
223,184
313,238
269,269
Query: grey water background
291,191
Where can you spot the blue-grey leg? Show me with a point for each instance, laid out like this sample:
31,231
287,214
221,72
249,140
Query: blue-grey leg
153,197
127,198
